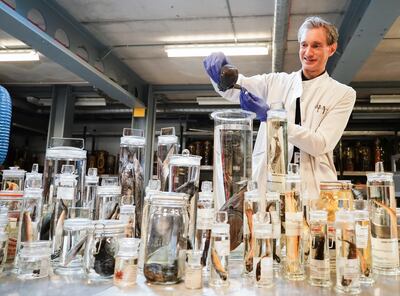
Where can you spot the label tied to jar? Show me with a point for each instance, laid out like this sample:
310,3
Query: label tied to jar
385,252
276,224
65,193
350,268
293,224
264,268
319,269
222,247
362,233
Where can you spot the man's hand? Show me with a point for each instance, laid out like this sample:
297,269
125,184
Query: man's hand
213,64
250,102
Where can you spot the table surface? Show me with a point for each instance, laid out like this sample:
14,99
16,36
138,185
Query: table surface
58,286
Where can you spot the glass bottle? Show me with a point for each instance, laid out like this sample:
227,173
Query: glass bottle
193,270
250,207
127,216
167,238
319,250
220,248
3,237
66,198
205,219
293,264
89,199
108,199
166,147
263,251
382,205
363,242
347,260
13,179
273,208
126,261
34,260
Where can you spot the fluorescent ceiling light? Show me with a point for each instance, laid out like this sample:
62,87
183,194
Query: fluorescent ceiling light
18,55
214,101
384,99
202,50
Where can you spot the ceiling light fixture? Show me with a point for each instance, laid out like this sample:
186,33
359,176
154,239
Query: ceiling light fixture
384,99
214,101
18,55
229,49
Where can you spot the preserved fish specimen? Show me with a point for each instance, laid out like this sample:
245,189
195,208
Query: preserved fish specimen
167,146
273,208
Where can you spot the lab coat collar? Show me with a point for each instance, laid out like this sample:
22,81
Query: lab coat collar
315,81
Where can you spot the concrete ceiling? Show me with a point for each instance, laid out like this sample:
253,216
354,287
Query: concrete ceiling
137,31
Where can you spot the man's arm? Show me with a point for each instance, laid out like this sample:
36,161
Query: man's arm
328,134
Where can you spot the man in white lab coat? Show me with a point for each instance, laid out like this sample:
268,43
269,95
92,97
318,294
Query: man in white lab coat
323,105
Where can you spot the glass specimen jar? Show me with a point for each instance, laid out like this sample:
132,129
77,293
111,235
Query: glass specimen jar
126,261
167,238
108,199
74,239
100,249
34,260
319,251
220,249
382,205
13,179
263,251
91,183
166,147
233,147
347,259
127,216
193,270
363,242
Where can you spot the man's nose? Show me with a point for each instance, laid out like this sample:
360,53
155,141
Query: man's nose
309,51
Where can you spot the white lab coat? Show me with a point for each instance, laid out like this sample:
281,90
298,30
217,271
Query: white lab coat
325,106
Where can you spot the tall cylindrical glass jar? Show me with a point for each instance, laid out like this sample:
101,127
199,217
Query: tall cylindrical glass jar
319,252
184,175
233,147
131,170
382,205
108,199
91,183
347,260
166,147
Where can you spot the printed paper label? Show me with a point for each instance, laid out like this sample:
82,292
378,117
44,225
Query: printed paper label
362,233
319,269
222,247
385,252
65,193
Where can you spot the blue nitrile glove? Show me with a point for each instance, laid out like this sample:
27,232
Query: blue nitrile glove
250,102
213,64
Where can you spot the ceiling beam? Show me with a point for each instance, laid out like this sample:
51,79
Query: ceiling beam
181,88
280,31
364,25
125,86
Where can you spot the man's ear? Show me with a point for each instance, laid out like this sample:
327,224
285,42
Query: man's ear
332,49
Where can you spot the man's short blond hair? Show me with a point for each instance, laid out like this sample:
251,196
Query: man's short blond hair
312,22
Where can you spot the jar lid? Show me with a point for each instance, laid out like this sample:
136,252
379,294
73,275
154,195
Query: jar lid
133,137
272,196
184,159
14,172
66,153
330,185
92,177
234,115
108,226
318,216
169,198
165,140
109,186
76,224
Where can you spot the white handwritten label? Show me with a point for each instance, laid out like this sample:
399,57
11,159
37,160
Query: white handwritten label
362,233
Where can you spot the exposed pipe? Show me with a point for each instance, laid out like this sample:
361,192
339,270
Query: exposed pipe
280,30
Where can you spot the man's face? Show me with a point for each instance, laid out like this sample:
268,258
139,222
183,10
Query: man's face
314,52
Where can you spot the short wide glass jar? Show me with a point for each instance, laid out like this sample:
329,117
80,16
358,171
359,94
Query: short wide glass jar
34,260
